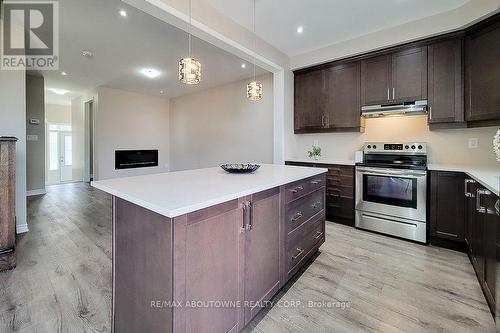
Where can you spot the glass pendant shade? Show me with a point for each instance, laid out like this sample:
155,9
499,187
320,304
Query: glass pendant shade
254,91
189,71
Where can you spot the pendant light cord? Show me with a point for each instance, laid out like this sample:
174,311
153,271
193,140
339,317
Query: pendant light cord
189,30
254,40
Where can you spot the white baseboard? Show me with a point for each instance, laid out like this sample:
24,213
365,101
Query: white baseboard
36,192
22,228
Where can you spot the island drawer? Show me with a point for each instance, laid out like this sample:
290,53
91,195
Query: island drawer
303,187
302,241
300,211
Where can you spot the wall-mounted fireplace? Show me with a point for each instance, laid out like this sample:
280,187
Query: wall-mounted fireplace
129,159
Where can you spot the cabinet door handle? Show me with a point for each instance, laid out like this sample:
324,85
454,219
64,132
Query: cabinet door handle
316,204
318,235
297,189
480,193
430,112
393,93
249,216
388,94
316,181
296,217
497,207
323,121
300,251
467,193
243,220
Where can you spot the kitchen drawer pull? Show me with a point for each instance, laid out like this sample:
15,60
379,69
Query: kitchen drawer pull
480,193
297,217
316,182
300,251
318,235
297,189
467,193
316,204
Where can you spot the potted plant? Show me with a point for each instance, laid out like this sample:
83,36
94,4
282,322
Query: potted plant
314,153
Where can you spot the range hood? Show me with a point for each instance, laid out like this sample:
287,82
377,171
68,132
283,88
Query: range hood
403,109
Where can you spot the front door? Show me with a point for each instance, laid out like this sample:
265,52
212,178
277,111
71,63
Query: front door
66,156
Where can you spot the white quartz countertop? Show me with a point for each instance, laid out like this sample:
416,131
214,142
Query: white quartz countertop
322,161
488,177
177,193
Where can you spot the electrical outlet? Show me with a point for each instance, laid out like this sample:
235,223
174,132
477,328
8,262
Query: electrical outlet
473,143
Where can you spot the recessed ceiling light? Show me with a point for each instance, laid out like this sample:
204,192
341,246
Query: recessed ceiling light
150,72
162,92
64,73
243,65
300,29
123,13
59,91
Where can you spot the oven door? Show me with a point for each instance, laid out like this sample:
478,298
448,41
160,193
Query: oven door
394,192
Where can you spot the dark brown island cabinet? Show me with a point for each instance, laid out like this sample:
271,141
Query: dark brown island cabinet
339,191
464,215
7,203
457,73
214,269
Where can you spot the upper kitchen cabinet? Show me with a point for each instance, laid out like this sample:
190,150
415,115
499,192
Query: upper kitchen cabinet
343,96
409,75
482,77
327,99
310,101
376,80
395,78
445,87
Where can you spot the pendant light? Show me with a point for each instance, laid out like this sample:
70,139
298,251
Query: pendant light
189,68
254,88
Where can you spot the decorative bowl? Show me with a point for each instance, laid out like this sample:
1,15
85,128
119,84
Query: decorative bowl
240,168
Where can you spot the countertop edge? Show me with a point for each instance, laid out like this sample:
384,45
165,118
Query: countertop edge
335,162
173,213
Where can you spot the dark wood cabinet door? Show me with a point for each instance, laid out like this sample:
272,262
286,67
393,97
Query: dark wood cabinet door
409,75
310,100
447,205
477,236
491,221
445,86
262,251
343,96
376,80
470,211
213,269
482,78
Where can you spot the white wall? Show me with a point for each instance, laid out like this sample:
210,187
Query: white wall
13,123
127,120
78,138
445,146
220,125
60,114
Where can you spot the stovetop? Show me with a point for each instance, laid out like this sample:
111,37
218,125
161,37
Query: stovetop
395,155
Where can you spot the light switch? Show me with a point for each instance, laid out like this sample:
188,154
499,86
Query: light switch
473,143
32,137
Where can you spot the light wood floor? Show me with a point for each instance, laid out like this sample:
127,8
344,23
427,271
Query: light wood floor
63,279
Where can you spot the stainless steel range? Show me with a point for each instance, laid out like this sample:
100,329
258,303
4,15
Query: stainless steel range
391,190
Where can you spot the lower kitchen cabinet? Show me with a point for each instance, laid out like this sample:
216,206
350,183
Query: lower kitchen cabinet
339,191
447,209
482,237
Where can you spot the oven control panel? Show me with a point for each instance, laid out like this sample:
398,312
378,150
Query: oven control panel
414,148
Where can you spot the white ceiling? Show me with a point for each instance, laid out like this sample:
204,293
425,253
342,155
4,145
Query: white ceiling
123,46
326,22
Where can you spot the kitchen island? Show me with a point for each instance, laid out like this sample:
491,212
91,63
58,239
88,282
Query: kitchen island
203,250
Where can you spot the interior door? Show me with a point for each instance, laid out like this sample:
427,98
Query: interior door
262,252
66,156
409,75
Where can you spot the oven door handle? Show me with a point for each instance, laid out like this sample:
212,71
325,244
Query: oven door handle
386,172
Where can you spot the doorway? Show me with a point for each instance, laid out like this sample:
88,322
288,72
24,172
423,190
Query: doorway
89,141
60,154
